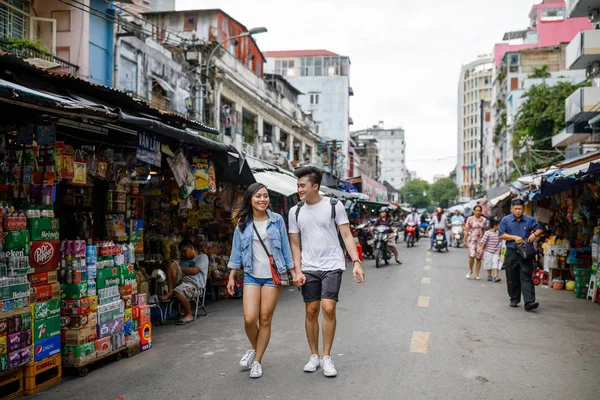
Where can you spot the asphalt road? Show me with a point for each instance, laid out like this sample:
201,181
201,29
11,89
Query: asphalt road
462,342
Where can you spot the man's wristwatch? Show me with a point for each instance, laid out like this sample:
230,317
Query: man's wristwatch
356,261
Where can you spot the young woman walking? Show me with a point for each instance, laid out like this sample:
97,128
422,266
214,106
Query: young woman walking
474,229
262,249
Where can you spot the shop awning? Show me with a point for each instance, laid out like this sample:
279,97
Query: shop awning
339,194
277,182
163,84
497,194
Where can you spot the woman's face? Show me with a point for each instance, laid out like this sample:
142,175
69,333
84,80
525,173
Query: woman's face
477,212
383,215
260,200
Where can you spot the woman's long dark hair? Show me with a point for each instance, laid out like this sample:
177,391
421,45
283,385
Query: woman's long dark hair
242,215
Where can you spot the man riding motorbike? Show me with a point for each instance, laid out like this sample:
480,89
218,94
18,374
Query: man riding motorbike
415,218
438,221
385,219
458,226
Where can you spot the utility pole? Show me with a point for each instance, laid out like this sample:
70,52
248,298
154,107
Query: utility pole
481,123
193,56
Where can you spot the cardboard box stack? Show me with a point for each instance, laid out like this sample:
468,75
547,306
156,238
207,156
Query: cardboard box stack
78,303
15,317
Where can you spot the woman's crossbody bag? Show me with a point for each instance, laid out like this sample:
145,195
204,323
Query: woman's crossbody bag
274,271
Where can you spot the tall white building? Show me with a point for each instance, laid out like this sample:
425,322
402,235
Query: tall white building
391,153
475,84
324,79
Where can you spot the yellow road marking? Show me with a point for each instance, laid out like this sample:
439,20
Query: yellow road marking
423,301
428,268
426,280
420,342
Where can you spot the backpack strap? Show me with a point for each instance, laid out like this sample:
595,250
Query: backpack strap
333,203
298,207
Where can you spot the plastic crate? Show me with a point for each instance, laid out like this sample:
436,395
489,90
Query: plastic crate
582,272
12,384
43,374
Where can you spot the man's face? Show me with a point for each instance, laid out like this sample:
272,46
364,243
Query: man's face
517,210
306,188
188,252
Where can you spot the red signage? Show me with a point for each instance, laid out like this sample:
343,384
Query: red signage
44,255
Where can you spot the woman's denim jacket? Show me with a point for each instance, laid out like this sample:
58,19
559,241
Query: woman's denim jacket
241,249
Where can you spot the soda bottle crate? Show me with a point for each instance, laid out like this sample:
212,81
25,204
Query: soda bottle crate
12,384
43,374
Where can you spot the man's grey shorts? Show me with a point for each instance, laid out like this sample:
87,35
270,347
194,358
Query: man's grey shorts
322,285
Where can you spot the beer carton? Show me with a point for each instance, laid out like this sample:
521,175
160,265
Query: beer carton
107,277
43,278
46,309
45,255
3,344
77,337
43,228
109,328
41,293
46,348
45,328
16,244
126,275
78,321
73,291
15,291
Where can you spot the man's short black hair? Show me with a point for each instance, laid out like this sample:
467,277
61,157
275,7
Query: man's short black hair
314,174
186,243
517,202
493,223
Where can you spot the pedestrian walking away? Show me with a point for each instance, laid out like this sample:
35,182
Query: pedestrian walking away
319,262
474,229
518,229
261,247
491,245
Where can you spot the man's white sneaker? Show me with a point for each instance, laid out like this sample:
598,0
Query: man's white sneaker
313,364
328,367
256,371
247,360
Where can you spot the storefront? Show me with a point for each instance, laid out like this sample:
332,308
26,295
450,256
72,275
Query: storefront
97,190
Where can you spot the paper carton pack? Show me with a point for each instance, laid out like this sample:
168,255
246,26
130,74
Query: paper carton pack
46,348
78,321
77,337
109,328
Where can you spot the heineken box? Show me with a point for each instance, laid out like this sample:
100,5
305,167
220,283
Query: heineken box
45,328
46,309
73,352
109,315
16,244
107,277
43,228
14,291
73,291
3,362
126,274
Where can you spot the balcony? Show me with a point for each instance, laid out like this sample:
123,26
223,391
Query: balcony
580,8
583,50
37,56
567,137
582,105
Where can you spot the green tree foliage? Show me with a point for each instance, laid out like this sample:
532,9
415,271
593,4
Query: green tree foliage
541,72
542,115
443,191
416,193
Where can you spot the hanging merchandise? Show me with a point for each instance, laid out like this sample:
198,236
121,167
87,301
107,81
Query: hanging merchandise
203,170
68,162
80,169
183,174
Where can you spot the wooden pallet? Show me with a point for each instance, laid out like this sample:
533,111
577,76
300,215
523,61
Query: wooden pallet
12,384
43,374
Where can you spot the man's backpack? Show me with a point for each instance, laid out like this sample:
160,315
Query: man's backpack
333,203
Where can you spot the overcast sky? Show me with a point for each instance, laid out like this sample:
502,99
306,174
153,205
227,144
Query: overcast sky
406,56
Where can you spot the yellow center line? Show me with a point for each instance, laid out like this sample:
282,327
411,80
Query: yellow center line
420,342
423,301
426,280
428,268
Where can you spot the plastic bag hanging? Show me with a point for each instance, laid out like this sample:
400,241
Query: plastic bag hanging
183,174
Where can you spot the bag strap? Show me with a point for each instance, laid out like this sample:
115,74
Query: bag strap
261,241
333,203
298,207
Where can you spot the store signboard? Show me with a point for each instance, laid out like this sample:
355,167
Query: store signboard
149,148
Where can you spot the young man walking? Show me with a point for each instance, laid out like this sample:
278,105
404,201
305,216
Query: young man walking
516,228
320,261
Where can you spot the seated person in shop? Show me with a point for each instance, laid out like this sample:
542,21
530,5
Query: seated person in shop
186,280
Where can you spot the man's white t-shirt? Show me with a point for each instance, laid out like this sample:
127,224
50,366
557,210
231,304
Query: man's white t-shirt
321,249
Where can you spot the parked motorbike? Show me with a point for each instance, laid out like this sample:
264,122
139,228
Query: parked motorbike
440,242
382,253
366,239
411,234
457,233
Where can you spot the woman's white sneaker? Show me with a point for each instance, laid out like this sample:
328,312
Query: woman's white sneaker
313,364
246,361
256,370
328,367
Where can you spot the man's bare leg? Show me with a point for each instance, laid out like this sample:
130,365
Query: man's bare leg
312,325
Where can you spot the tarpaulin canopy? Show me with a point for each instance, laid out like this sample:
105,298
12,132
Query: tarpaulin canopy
497,194
277,182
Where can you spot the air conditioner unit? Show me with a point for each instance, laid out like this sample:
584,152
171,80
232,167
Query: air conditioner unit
593,70
194,56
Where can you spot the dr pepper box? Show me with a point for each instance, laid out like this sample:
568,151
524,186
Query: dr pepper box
44,255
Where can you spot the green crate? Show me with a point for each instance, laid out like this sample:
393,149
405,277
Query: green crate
582,271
